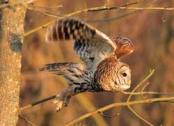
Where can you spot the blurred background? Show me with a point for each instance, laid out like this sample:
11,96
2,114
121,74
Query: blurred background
152,33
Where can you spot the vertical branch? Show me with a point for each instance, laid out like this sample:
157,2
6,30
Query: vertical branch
12,28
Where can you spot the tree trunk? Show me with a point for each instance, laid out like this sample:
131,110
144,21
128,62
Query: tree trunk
12,29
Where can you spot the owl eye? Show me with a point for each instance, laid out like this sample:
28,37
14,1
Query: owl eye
124,74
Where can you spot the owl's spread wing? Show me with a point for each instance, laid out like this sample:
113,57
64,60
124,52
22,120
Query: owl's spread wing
89,43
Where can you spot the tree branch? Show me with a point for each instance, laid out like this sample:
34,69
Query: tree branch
130,96
27,120
120,104
96,9
37,102
54,96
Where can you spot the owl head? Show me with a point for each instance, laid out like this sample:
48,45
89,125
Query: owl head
122,79
116,78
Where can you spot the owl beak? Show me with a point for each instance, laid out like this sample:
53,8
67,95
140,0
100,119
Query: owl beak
129,82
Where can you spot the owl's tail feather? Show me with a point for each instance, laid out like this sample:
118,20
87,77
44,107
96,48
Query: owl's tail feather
71,71
69,28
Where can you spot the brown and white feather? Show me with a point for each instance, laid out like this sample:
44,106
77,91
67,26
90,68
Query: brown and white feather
89,43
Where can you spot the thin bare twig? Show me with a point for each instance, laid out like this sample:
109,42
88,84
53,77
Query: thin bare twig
140,117
126,93
46,10
52,21
71,14
37,102
27,120
145,86
109,116
112,18
95,9
148,8
43,10
130,96
120,104
146,93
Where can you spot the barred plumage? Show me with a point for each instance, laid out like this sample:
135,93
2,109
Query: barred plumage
89,43
72,72
102,69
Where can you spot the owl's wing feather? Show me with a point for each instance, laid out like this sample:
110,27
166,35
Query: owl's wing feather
89,43
72,72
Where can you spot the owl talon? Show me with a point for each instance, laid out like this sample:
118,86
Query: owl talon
61,101
65,104
59,104
66,101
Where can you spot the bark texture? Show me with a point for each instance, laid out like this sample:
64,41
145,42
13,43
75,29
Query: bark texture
12,29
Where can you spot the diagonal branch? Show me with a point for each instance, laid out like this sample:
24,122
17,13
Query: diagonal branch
27,120
93,9
120,104
96,9
29,106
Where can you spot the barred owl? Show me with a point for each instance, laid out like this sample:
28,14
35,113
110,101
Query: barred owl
101,70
